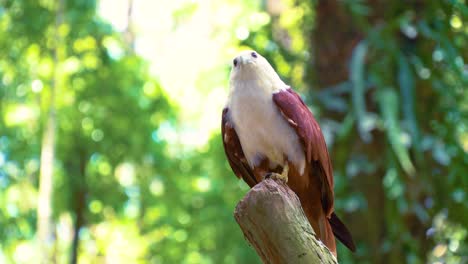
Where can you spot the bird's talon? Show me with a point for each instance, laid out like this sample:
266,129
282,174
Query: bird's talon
276,176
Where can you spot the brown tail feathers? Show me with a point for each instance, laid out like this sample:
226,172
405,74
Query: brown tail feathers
341,232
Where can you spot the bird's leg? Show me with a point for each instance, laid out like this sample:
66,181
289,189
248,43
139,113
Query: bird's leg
276,176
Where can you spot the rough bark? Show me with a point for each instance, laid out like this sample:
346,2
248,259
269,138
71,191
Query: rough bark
272,220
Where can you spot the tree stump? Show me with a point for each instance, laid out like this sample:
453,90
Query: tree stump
272,220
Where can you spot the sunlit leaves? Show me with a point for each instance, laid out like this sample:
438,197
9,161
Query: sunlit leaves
20,114
45,67
184,12
20,198
113,47
119,240
87,43
102,122
125,174
95,206
202,184
456,22
151,90
450,240
157,187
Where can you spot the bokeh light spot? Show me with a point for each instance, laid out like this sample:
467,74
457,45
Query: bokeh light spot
37,86
180,235
157,187
95,206
97,135
202,184
87,124
125,174
184,218
456,22
19,114
242,33
104,168
439,250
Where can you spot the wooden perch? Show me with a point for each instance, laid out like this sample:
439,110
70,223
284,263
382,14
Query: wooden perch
273,222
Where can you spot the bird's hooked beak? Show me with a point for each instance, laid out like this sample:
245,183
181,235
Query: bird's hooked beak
250,66
245,58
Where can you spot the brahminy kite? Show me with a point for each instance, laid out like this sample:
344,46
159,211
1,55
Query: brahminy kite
268,131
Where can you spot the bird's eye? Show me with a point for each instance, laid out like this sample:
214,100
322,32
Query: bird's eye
254,54
234,62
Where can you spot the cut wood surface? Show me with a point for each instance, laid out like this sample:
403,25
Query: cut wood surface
272,220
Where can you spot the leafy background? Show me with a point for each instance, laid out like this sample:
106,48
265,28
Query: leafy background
109,125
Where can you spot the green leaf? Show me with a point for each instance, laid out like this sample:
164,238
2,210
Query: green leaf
388,102
406,83
357,79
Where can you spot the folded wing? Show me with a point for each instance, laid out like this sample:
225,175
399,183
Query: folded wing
234,152
301,119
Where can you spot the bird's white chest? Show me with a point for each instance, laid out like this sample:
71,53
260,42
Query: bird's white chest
263,132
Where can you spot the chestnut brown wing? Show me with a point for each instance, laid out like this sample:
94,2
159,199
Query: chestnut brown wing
301,119
234,152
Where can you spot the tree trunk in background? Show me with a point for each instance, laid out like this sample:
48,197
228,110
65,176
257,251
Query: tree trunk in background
79,194
45,227
44,207
129,34
332,44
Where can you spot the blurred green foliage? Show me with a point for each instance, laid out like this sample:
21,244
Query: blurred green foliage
388,82
395,121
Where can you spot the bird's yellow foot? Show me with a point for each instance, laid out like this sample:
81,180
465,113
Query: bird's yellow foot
276,176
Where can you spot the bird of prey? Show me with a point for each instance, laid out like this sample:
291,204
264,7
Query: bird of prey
268,131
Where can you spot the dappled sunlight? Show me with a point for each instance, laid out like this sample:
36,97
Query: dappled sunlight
19,114
125,174
25,252
202,184
184,41
157,187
